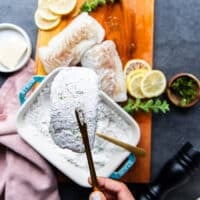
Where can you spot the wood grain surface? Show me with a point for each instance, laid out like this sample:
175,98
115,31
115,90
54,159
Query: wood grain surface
130,23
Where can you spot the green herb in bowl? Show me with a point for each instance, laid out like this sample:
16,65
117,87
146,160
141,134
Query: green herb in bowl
184,90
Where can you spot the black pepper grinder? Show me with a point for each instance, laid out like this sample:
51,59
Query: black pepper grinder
174,173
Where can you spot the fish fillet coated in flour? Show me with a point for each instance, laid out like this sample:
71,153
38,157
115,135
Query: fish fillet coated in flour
104,59
67,47
73,88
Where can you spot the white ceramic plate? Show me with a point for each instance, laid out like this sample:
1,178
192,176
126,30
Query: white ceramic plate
32,125
10,30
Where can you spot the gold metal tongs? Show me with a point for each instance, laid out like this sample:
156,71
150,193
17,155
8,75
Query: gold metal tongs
136,150
83,130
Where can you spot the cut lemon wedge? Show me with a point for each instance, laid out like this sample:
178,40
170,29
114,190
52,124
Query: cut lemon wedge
134,86
44,12
135,64
153,84
44,24
62,7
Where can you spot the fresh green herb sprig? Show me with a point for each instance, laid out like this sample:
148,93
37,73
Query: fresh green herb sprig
90,5
146,106
185,88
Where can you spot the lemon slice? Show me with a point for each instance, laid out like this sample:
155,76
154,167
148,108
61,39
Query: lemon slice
134,86
43,3
45,24
47,14
62,7
136,64
135,73
153,83
44,12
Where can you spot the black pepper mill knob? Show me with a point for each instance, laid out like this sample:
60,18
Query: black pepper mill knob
175,172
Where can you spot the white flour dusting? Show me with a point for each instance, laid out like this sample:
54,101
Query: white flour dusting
109,122
73,88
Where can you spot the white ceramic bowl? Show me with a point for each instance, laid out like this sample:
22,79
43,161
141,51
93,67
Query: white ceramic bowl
9,30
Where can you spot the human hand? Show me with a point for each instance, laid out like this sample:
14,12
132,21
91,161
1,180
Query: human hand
111,190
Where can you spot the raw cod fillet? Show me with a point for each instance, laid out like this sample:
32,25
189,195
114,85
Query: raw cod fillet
104,59
68,46
73,88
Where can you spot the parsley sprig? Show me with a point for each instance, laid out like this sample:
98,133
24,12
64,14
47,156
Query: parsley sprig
90,5
155,105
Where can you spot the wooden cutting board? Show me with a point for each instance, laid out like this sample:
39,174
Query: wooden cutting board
130,23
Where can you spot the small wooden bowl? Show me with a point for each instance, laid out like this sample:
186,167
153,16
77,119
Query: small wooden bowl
176,99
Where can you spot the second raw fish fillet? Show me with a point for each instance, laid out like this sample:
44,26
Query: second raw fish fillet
104,59
68,46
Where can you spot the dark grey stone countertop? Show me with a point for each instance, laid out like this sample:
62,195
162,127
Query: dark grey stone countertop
176,49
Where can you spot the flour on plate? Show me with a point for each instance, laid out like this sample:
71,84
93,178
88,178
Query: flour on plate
108,122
